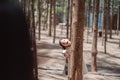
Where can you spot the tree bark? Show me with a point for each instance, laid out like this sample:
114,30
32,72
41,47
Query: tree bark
95,32
105,23
50,19
67,25
118,19
71,4
46,27
54,6
39,19
33,48
63,8
119,39
77,39
93,1
88,17
119,22
112,12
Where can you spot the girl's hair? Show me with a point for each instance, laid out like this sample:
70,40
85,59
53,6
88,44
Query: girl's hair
63,47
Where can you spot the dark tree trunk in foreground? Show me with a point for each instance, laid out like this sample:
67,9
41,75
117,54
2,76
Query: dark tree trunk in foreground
17,58
33,38
95,31
77,39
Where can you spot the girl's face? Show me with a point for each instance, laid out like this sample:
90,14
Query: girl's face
65,43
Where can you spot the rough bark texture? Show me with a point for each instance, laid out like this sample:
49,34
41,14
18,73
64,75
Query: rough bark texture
95,31
77,39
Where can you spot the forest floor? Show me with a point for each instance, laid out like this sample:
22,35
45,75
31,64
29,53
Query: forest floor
51,61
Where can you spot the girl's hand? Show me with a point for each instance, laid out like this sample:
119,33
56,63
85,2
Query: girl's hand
67,55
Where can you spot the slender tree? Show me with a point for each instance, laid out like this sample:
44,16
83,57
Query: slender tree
47,1
50,18
112,12
93,1
118,18
95,31
109,16
71,4
119,38
67,19
63,8
77,39
105,24
119,21
39,19
54,6
88,16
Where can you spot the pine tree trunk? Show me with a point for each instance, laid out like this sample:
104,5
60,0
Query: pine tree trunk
119,38
67,25
63,8
119,22
109,17
118,19
112,12
93,1
54,6
105,23
77,39
46,27
39,19
50,18
71,4
88,17
95,32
